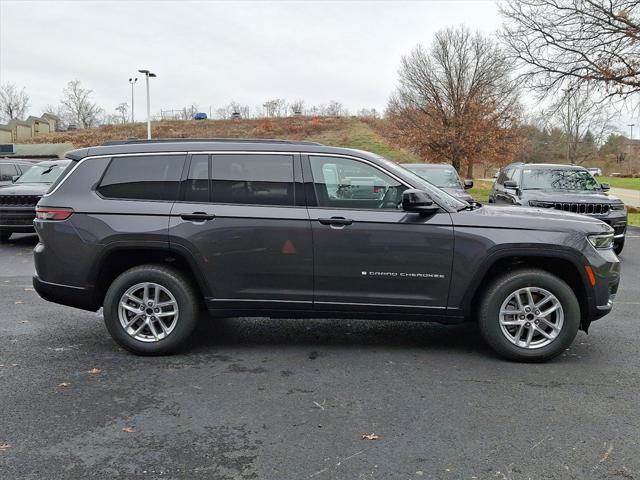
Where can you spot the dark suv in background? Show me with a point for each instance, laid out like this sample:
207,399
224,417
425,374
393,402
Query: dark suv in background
12,168
18,200
567,188
152,231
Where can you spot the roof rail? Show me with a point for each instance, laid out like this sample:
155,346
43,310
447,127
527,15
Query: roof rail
133,141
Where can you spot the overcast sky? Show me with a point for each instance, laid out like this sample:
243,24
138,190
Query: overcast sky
210,53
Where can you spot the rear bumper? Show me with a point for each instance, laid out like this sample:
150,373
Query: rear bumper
77,297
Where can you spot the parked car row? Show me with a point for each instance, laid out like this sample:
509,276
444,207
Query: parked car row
20,193
567,188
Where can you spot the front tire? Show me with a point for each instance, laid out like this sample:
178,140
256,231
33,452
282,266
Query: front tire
4,235
529,316
151,310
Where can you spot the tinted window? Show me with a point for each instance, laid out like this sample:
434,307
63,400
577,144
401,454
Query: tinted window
197,183
143,178
347,183
7,172
253,179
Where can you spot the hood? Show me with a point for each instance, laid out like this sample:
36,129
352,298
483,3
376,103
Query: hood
458,193
25,189
569,196
527,218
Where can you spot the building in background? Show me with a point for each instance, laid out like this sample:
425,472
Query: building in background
17,130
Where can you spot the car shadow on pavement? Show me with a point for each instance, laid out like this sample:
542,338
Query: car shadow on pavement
212,332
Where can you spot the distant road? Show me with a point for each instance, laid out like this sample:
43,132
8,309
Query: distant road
628,196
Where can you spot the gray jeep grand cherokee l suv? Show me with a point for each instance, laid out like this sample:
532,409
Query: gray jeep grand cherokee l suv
154,230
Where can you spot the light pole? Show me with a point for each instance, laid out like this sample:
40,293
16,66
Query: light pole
568,90
147,74
132,81
631,125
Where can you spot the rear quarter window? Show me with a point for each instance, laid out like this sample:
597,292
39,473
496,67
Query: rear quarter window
148,177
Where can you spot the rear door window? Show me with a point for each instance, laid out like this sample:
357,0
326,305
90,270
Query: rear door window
145,177
253,179
197,182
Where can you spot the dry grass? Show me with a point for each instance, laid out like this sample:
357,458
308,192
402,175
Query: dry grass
334,131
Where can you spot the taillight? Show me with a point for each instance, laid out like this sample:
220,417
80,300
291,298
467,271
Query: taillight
53,213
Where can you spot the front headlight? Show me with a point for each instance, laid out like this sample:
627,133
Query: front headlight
617,207
601,241
539,204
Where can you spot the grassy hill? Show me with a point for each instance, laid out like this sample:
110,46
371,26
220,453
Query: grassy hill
339,132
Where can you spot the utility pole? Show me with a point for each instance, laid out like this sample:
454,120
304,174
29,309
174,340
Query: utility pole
147,74
631,125
132,81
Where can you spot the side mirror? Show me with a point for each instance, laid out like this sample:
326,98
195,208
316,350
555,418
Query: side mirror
512,184
14,178
468,184
605,187
418,201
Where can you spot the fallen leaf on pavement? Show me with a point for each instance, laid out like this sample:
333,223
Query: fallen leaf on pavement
4,446
370,436
129,429
29,290
94,370
64,384
18,302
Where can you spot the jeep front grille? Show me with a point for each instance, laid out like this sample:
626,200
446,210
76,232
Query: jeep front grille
19,200
584,208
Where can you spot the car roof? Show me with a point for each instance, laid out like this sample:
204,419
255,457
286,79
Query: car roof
555,166
215,144
16,160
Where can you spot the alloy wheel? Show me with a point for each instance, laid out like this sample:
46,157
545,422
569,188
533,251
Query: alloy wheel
148,312
531,317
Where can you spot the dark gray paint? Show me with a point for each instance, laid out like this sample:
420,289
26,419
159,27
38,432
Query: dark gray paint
245,260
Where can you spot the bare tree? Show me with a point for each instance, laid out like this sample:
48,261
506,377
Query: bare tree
297,107
123,110
78,106
457,101
335,109
587,124
13,102
560,42
276,107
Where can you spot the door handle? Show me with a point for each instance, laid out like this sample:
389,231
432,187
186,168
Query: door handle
197,216
335,221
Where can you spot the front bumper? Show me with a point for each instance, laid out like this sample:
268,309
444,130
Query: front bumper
618,221
17,219
606,269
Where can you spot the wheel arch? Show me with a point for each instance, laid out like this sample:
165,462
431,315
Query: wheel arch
121,256
566,264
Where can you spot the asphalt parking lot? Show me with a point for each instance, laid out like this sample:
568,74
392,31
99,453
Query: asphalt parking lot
291,399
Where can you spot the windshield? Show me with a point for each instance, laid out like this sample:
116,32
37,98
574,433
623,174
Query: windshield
43,173
443,177
440,196
558,179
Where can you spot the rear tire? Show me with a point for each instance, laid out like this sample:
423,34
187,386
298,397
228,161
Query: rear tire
4,235
158,331
502,330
